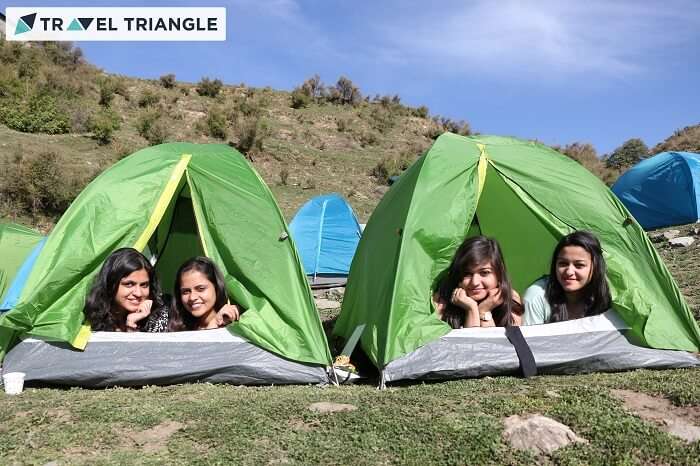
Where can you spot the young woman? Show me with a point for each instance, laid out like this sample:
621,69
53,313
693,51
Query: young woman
200,297
125,296
576,286
477,291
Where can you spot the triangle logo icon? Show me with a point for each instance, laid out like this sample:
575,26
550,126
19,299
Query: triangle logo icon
85,22
29,20
75,26
22,27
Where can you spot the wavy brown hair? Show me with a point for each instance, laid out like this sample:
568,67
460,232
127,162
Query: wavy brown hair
472,252
100,300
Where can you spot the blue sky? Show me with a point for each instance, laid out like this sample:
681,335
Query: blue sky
600,71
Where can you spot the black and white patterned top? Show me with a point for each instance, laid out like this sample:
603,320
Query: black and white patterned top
157,321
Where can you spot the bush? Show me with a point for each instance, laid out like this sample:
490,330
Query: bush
148,98
39,184
107,89
628,154
420,112
300,99
103,125
251,135
391,165
284,175
151,127
216,123
209,88
346,92
38,115
168,81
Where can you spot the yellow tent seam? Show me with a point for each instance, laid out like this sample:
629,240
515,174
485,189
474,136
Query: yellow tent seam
481,169
163,202
197,219
81,340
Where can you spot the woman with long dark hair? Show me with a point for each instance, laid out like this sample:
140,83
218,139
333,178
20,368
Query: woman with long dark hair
576,286
126,296
200,300
476,291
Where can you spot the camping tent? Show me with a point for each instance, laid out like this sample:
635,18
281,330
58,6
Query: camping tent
173,201
662,190
326,233
525,195
16,243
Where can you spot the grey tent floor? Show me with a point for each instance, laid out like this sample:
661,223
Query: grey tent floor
593,344
134,359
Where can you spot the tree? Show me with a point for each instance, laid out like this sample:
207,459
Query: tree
628,154
347,93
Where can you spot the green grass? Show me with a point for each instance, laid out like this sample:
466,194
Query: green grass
457,422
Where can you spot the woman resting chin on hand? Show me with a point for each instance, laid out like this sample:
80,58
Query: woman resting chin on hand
477,291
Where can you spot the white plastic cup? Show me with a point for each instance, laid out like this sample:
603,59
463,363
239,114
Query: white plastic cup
14,382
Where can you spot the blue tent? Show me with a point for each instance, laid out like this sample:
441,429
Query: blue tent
326,233
662,190
15,289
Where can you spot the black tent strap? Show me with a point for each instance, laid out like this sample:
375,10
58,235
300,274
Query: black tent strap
528,367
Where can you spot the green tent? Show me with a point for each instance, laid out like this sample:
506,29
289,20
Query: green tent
16,242
174,201
525,195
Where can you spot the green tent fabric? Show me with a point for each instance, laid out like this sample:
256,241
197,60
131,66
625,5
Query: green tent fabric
525,195
173,201
16,242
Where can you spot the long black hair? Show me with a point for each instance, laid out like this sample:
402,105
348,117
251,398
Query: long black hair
596,294
100,300
180,317
474,251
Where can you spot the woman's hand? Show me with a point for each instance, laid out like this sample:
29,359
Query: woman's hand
133,318
227,314
492,301
459,298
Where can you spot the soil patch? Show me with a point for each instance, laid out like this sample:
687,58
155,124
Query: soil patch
155,438
681,422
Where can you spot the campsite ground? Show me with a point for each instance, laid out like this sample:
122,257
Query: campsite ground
453,422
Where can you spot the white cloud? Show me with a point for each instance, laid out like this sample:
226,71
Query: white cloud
540,38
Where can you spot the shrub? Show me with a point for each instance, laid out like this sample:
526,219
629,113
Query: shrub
391,165
216,123
148,98
168,81
209,88
103,125
251,135
151,127
40,114
300,99
107,89
343,124
628,154
420,112
39,184
346,92
367,138
284,175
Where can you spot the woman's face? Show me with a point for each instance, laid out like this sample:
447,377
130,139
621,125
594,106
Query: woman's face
479,280
574,268
197,293
133,289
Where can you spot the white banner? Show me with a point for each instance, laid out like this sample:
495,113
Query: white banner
116,24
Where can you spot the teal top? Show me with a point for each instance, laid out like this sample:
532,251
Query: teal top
537,310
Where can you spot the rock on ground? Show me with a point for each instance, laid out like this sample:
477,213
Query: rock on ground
328,407
322,303
538,434
670,234
683,241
